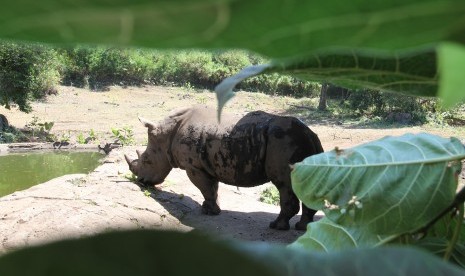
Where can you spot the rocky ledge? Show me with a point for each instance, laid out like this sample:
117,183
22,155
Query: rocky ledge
79,205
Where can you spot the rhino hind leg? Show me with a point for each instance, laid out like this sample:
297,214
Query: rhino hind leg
210,208
209,189
289,207
306,218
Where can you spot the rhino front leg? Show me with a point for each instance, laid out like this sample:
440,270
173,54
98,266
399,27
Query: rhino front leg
289,207
209,189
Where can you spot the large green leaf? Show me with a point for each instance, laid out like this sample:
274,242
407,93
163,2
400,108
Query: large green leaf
132,253
377,261
432,71
445,228
390,186
327,236
407,72
439,237
171,253
451,60
276,28
388,45
438,246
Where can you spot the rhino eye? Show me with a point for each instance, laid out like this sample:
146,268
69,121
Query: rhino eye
146,160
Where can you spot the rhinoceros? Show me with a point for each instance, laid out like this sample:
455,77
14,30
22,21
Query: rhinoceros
244,152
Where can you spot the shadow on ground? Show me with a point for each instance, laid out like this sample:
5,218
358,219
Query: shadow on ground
252,226
312,116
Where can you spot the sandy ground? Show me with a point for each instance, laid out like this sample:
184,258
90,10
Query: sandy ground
76,110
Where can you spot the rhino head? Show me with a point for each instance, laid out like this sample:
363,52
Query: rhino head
151,166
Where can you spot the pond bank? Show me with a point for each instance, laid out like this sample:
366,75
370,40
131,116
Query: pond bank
19,147
78,205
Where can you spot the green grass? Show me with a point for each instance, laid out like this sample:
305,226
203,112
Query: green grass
270,195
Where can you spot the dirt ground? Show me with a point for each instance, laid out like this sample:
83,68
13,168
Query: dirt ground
76,111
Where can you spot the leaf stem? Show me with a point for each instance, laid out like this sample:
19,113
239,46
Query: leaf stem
455,237
456,204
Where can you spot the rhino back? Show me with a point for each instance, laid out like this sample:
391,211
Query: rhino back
239,156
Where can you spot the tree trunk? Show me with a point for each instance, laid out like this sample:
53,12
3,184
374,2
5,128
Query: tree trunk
3,122
322,104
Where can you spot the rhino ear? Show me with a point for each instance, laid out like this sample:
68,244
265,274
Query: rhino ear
147,123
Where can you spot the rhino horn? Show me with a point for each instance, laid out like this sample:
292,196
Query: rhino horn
128,160
138,153
131,163
147,123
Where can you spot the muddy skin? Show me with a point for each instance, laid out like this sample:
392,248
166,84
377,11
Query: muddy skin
243,152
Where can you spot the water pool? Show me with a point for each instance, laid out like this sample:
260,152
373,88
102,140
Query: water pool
19,171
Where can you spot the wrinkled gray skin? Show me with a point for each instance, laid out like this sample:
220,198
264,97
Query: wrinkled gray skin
245,152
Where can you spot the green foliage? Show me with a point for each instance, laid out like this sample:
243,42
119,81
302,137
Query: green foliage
131,177
97,67
357,45
362,261
191,67
64,137
78,64
146,253
27,72
40,130
81,139
92,134
394,108
409,73
123,135
152,253
378,192
282,30
328,236
147,193
11,135
7,137
446,238
120,66
270,195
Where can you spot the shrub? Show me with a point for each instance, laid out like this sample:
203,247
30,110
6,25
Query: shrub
270,195
124,135
120,66
194,67
37,69
11,135
78,63
395,108
99,67
27,72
